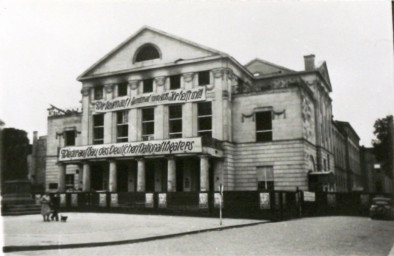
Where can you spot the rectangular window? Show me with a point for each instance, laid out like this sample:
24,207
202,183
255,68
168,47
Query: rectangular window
203,78
147,85
175,121
204,119
265,178
148,123
175,82
69,180
53,185
264,126
98,129
122,126
69,138
98,93
122,89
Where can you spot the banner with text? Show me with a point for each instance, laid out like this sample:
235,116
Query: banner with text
130,149
151,99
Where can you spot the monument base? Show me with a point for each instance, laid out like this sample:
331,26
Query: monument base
16,192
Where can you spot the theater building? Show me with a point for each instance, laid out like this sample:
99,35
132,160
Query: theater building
163,114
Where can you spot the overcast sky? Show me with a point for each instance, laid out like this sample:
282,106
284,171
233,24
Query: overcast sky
45,45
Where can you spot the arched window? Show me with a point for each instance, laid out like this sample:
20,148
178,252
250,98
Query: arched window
147,52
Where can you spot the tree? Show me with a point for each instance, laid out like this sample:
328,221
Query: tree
382,144
15,151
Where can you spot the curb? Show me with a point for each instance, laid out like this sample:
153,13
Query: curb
15,248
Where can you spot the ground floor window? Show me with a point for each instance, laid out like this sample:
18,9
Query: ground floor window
265,178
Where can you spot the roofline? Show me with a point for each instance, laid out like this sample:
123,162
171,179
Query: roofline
170,64
268,63
113,51
344,123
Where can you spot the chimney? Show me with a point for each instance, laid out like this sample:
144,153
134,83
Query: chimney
309,62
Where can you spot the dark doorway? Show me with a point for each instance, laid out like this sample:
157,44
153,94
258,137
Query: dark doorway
149,176
122,176
211,175
179,175
97,172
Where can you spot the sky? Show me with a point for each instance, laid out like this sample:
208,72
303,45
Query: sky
45,45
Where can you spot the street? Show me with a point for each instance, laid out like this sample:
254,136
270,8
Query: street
308,236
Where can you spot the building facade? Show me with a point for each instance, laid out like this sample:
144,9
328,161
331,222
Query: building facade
163,114
37,162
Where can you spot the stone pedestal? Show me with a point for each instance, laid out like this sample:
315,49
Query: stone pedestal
16,192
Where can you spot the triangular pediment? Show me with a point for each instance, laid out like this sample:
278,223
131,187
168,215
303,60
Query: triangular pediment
171,48
324,72
260,67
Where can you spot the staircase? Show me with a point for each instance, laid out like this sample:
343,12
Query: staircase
20,209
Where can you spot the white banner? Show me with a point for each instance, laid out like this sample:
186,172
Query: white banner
103,200
149,200
265,201
217,199
74,200
162,200
63,200
150,99
159,147
114,200
203,200
309,196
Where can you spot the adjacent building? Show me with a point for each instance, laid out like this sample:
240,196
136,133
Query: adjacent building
347,157
164,114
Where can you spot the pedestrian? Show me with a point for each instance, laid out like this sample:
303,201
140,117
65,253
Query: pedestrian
55,202
45,201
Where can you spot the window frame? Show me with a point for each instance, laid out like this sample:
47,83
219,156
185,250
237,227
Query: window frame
142,48
96,128
204,116
121,85
263,131
178,78
146,136
71,133
96,95
173,135
124,123
144,84
267,182
201,81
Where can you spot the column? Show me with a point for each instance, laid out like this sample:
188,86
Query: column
108,117
187,109
62,177
134,126
86,177
141,175
204,173
171,179
85,115
112,176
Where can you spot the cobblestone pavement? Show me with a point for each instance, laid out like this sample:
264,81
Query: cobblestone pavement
308,236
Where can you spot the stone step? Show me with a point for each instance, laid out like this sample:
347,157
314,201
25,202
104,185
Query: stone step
21,209
20,213
23,206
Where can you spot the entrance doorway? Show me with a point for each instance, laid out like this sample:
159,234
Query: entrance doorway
99,176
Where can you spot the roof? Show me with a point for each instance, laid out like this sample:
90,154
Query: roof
270,64
343,125
141,30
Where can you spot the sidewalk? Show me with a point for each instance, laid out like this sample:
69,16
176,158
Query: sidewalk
99,229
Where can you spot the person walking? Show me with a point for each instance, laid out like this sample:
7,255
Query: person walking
45,200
